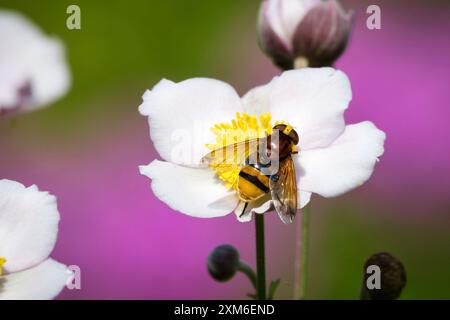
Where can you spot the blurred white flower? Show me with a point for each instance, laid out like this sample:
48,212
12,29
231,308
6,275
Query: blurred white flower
333,158
33,67
299,33
28,231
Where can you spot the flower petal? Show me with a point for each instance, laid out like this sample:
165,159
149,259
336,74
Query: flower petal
346,164
195,192
312,100
33,66
182,114
303,198
28,225
266,206
256,101
243,217
42,282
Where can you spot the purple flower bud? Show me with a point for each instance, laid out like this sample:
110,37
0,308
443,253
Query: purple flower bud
223,262
300,33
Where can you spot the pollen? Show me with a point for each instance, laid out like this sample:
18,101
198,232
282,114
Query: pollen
2,262
244,127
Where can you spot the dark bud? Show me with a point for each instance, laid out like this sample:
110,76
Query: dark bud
392,277
223,262
322,35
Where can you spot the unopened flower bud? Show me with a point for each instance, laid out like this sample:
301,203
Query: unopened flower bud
393,277
223,262
303,33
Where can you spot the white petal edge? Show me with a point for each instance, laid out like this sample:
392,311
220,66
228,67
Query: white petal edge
195,192
42,282
346,164
182,114
28,225
313,100
29,56
304,198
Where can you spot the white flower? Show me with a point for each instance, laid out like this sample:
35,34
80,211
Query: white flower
28,229
333,158
33,67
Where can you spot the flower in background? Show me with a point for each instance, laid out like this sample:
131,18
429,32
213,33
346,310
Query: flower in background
28,231
301,33
333,158
223,262
33,66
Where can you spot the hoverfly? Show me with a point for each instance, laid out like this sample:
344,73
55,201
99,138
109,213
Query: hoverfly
266,167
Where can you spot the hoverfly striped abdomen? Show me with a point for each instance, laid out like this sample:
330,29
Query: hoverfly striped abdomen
252,183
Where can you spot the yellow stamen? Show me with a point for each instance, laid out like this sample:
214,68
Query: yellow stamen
244,127
2,262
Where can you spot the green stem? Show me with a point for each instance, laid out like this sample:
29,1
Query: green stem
248,271
302,245
260,257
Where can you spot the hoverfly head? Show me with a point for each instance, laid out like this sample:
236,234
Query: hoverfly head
288,131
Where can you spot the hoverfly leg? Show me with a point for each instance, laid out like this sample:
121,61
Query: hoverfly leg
243,210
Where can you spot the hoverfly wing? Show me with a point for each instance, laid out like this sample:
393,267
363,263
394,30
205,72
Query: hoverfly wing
232,154
283,188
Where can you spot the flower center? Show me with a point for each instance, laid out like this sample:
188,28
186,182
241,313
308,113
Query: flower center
244,127
2,262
